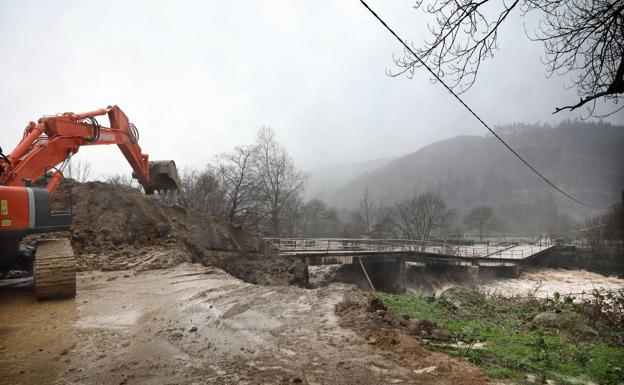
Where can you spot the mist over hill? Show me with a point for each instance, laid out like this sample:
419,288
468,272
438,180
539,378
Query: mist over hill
324,180
584,159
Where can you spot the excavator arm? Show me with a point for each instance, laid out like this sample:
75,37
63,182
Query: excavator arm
54,139
47,146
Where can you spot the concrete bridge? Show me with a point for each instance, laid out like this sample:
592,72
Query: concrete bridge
384,261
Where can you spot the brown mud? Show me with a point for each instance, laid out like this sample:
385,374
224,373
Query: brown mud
191,323
195,324
118,227
402,338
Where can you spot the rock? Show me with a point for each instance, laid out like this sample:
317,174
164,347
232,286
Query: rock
427,370
461,299
563,320
193,329
375,304
554,319
428,329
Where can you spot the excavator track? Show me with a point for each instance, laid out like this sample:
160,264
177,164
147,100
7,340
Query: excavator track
54,269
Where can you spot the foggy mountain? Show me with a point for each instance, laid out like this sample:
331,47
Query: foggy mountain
584,159
326,179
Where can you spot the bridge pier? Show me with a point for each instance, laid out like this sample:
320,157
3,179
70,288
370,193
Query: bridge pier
473,274
387,275
509,271
491,272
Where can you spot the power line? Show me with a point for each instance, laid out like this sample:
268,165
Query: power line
474,113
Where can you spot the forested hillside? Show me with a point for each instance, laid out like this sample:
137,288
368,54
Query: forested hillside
584,159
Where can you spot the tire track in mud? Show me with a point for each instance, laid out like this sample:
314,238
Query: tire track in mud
195,324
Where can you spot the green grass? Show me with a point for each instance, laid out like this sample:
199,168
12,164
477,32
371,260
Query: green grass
514,348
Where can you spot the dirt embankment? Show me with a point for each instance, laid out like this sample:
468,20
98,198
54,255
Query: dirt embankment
118,227
402,337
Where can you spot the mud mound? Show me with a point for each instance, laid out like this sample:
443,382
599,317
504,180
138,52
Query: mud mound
400,336
118,227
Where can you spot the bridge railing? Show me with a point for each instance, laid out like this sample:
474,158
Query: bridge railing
349,244
320,245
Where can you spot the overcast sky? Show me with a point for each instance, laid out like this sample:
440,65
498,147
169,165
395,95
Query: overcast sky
198,78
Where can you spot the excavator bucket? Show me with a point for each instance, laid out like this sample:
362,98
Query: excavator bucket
163,177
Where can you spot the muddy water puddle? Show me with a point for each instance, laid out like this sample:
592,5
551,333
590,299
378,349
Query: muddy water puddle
35,337
180,325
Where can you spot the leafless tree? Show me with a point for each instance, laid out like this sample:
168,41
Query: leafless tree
615,222
594,231
481,218
78,170
606,229
277,178
199,192
367,207
314,211
580,37
293,213
374,218
384,222
419,216
122,180
320,220
239,182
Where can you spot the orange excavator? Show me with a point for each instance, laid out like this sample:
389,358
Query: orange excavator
39,159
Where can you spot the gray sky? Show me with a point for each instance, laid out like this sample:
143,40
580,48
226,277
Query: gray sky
200,77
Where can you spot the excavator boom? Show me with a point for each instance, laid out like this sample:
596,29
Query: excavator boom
54,139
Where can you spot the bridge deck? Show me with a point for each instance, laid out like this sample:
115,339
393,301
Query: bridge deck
324,251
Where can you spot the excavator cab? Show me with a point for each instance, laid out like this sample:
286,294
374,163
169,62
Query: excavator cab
163,177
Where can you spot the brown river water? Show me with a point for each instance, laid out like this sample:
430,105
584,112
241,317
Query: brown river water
544,282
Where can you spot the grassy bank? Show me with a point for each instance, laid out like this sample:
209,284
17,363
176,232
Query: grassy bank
511,345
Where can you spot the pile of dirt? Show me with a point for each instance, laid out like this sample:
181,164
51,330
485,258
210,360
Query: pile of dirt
117,227
402,338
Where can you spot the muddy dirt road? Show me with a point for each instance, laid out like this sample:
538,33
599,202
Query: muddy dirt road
185,325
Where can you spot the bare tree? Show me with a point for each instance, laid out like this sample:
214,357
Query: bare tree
78,170
238,181
293,213
367,207
594,231
200,192
374,218
314,212
615,222
122,180
384,222
277,178
583,38
320,220
481,218
606,229
419,216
